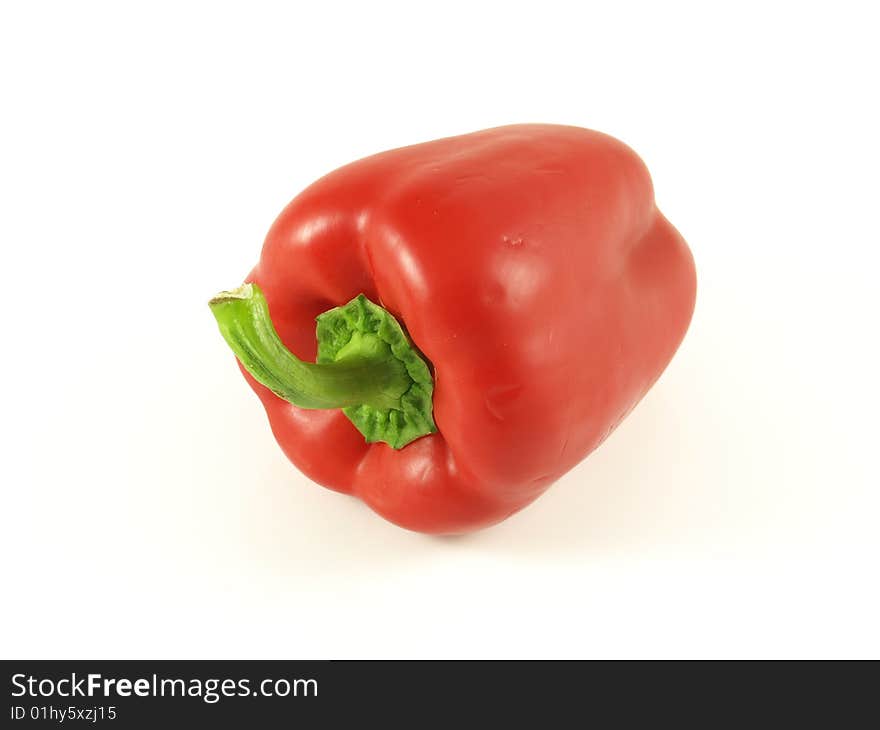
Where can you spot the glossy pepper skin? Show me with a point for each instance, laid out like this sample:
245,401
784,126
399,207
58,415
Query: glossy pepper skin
532,269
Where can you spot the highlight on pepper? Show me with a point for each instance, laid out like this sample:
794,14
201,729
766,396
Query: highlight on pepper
445,329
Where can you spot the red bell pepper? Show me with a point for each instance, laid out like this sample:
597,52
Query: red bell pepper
489,307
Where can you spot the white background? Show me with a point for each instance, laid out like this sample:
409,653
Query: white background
148,512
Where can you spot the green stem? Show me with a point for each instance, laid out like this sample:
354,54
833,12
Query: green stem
368,373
